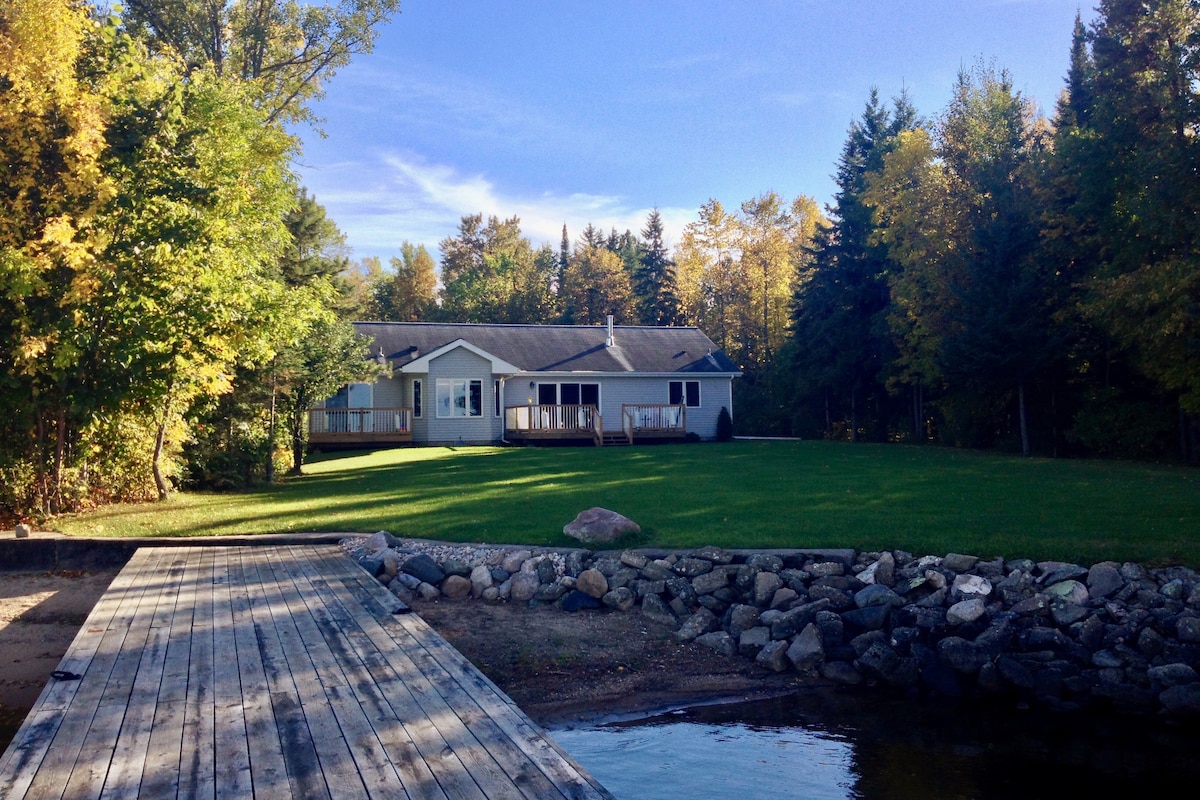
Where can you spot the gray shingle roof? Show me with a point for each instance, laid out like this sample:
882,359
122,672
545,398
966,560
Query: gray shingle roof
557,348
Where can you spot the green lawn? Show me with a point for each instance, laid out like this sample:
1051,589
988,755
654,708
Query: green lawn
744,494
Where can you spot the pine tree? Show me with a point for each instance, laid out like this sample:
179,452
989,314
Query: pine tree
654,277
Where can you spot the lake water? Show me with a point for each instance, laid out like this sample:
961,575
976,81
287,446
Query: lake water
811,746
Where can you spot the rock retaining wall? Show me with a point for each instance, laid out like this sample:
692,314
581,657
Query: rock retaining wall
1115,636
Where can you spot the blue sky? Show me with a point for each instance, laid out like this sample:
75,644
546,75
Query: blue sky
581,112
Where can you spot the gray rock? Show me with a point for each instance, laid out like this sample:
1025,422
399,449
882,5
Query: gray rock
1104,580
1057,571
600,525
22,531
710,582
654,571
391,562
481,580
703,621
409,581
592,583
575,562
1034,606
622,598
634,560
765,562
1181,700
1070,590
773,656
524,586
966,586
742,617
512,561
654,608
423,567
765,586
841,672
961,654
691,567
714,554
876,595
1172,674
957,562
380,540
882,571
456,587
491,594
871,618
783,597
824,568
372,563
807,650
401,592
753,640
456,566
719,641
839,600
1187,628
966,611
546,571
428,591
1066,613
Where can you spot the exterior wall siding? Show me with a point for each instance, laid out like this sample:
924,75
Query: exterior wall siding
464,365
616,390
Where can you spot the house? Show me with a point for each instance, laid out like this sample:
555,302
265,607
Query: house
466,383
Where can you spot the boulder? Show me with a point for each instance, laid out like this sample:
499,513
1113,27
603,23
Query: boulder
592,582
622,598
423,567
765,586
481,580
22,531
965,611
698,624
773,656
600,525
380,540
456,587
524,586
720,641
513,560
807,650
654,608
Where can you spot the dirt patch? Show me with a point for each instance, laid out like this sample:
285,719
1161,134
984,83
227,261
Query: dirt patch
593,664
40,613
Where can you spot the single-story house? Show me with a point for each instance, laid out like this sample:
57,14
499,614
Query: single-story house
466,383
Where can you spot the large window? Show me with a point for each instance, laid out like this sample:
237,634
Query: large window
684,392
569,394
459,398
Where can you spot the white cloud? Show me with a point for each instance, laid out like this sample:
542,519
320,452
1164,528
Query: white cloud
402,198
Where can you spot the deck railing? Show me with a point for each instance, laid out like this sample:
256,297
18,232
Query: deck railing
550,421
653,419
334,421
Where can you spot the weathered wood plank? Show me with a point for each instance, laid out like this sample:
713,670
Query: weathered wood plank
368,760
91,654
296,744
165,751
91,769
268,775
197,770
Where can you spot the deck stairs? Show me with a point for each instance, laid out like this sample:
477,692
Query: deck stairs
615,439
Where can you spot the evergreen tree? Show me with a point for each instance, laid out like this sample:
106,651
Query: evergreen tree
654,277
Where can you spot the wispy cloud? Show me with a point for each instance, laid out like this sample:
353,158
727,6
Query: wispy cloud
401,198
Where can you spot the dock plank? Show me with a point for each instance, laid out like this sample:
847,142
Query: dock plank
273,672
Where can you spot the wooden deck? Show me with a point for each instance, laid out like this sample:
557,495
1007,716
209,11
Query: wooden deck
273,672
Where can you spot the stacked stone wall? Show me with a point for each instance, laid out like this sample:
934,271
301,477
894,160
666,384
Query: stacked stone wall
1065,636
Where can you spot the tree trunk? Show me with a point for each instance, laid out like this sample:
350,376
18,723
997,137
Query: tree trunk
60,444
160,482
269,470
918,415
1025,449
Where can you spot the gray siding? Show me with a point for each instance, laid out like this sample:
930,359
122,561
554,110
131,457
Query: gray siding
464,365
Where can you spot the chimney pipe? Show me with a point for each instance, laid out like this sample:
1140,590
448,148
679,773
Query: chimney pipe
609,341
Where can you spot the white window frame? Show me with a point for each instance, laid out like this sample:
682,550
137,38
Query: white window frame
448,393
683,393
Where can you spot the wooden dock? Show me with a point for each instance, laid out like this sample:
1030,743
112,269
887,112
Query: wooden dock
273,672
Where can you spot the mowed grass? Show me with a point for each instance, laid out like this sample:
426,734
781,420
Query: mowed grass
751,494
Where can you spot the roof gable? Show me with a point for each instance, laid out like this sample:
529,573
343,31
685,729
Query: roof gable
421,364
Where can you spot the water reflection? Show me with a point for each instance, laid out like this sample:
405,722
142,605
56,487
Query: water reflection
841,746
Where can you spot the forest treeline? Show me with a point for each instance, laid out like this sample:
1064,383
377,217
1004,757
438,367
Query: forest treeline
172,300
985,277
